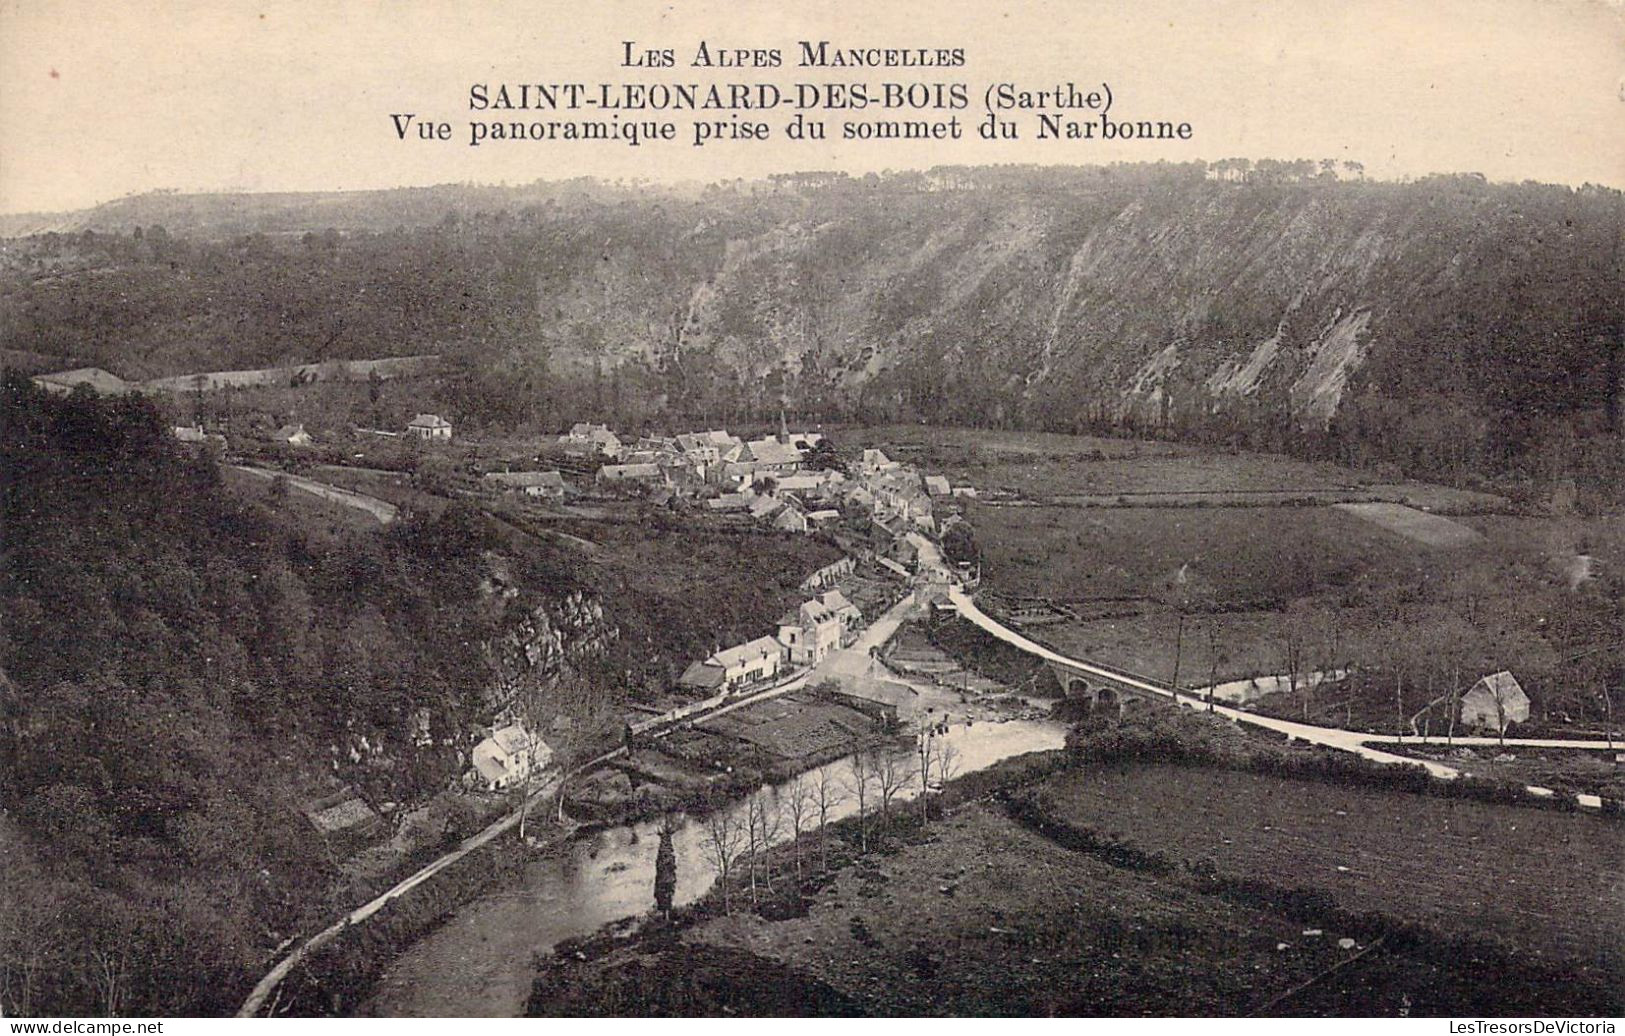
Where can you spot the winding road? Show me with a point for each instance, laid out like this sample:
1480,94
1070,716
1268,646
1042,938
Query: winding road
877,633
1357,742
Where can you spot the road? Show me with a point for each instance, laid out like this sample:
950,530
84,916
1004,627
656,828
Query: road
1357,742
382,510
877,633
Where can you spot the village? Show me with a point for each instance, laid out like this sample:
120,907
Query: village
802,692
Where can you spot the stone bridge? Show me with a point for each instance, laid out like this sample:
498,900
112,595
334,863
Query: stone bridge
1100,687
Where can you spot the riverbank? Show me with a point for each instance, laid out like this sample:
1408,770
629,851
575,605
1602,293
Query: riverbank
477,961
1015,900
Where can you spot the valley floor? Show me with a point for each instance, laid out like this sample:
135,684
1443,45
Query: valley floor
1076,897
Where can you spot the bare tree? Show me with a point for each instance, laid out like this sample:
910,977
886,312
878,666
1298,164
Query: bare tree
724,835
925,752
1399,700
1291,635
826,797
29,947
860,783
1212,659
107,976
578,717
1607,711
947,764
798,808
765,816
891,776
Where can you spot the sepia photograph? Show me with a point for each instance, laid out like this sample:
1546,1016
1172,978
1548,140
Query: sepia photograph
537,509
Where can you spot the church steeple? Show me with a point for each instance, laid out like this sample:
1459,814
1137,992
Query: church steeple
784,428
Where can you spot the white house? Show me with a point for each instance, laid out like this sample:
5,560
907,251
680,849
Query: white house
430,428
844,610
759,659
1495,702
810,632
875,461
593,438
509,756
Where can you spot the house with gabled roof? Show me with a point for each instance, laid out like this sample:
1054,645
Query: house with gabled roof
791,519
810,632
875,461
765,507
430,428
844,610
755,660
771,456
509,756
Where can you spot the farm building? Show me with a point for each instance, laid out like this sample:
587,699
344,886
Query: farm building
765,507
936,485
549,484
508,756
1494,702
791,519
344,819
189,433
430,428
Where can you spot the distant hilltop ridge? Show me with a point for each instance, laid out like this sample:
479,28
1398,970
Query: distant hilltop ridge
1235,301
106,382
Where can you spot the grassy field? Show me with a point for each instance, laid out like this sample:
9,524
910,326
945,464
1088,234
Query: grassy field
1085,469
1253,548
1550,884
980,915
1222,556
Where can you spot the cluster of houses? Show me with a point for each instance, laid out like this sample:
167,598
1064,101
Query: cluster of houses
806,636
771,480
428,428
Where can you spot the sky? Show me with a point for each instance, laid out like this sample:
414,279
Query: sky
104,98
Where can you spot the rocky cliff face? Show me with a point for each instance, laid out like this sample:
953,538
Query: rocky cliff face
1044,298
542,644
1125,303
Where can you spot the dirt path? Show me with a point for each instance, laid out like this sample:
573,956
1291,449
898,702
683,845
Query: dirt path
382,510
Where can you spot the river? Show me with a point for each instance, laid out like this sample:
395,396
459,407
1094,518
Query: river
479,962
